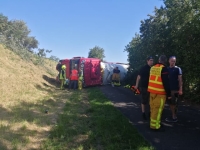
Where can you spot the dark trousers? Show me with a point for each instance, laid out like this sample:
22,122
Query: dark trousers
73,83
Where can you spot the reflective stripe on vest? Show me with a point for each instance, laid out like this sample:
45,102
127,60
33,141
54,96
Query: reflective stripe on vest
155,81
74,75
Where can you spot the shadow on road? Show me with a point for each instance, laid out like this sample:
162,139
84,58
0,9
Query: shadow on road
183,135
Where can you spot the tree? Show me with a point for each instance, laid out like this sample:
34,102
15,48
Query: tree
172,30
15,35
41,52
3,24
54,58
30,43
96,52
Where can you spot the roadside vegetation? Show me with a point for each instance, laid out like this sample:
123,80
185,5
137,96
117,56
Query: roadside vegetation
26,91
172,29
90,122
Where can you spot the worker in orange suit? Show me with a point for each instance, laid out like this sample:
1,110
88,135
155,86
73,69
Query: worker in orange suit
159,90
73,79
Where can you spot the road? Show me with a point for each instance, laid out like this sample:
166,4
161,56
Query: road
183,135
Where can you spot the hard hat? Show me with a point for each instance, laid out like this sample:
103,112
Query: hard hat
63,67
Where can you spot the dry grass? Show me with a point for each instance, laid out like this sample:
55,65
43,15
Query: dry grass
26,91
77,120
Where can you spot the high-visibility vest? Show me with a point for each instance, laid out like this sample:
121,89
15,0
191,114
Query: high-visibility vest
74,75
62,74
155,81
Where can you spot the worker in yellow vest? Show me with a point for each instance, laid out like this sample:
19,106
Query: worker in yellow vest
159,88
80,80
62,76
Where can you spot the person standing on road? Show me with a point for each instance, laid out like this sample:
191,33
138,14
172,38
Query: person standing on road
175,81
142,82
73,79
159,88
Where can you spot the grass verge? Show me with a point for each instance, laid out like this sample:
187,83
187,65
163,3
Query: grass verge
90,122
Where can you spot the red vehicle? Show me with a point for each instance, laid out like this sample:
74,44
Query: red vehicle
89,68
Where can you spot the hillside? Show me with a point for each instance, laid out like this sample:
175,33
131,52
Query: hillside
26,91
19,77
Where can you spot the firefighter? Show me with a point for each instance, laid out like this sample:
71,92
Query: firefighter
116,77
62,76
80,80
73,79
159,88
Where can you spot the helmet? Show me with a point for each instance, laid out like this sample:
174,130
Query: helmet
63,67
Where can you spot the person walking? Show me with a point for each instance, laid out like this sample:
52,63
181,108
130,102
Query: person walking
175,81
73,79
159,88
62,76
142,82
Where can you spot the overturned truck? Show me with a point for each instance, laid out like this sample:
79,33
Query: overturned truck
108,67
93,70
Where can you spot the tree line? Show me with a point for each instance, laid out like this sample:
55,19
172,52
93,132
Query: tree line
15,35
173,29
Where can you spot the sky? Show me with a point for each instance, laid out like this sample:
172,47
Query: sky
70,28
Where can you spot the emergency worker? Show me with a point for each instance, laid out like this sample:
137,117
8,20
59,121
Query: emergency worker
80,80
142,82
116,77
159,88
175,81
62,76
73,79
58,68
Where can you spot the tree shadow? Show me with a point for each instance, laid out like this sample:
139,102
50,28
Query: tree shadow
40,113
92,129
187,125
51,81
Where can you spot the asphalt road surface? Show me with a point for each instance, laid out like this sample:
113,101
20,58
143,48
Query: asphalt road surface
183,135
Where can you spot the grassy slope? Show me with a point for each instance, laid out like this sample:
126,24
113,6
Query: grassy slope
26,91
90,122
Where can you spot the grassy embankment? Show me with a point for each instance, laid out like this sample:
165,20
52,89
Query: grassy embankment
90,122
26,91
75,120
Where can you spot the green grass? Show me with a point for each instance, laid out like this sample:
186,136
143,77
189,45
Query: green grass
90,122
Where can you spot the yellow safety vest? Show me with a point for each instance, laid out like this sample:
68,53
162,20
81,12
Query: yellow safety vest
155,81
